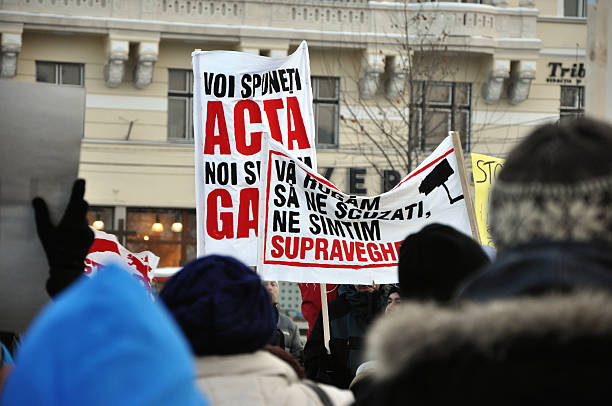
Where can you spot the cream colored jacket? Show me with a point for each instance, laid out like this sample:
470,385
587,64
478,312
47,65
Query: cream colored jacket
258,378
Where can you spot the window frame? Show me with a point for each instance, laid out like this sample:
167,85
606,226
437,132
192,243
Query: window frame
58,76
106,214
422,105
186,95
581,9
320,101
571,111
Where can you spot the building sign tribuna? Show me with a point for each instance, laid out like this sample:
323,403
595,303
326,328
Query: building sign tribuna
560,73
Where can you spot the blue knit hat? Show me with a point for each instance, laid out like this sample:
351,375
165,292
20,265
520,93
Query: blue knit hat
221,305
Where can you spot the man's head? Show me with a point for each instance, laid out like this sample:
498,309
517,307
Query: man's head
556,185
272,287
393,299
434,261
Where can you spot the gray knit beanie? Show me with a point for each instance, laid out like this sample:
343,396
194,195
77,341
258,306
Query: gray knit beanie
556,185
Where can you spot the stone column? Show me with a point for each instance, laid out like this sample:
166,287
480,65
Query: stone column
523,72
117,52
398,67
372,68
10,47
492,89
145,63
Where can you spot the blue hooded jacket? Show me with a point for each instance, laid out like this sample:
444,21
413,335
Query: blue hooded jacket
103,342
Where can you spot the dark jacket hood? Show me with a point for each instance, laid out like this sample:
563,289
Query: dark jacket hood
538,268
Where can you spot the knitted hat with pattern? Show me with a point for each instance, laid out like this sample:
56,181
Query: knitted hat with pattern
556,185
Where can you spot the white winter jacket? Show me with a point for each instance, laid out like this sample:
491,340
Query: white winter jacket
258,378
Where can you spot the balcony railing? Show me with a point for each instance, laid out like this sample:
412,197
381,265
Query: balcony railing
347,22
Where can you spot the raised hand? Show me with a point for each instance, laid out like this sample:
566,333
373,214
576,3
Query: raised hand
66,244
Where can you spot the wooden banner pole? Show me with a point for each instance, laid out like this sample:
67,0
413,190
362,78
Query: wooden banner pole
469,203
325,314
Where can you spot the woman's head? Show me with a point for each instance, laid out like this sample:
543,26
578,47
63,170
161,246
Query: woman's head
221,306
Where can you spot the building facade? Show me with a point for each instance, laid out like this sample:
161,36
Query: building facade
380,70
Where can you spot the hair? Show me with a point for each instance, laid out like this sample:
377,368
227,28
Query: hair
392,289
288,358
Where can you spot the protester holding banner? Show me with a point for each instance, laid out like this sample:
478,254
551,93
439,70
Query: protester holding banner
311,300
350,314
551,214
226,314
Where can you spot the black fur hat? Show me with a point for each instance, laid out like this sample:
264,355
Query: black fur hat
434,261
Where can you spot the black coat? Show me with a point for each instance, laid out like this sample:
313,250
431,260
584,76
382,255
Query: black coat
350,314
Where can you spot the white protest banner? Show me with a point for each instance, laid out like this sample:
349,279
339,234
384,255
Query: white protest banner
106,248
239,99
312,232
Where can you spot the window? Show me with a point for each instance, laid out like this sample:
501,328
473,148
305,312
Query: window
440,107
572,102
574,8
174,245
180,104
60,73
326,91
101,218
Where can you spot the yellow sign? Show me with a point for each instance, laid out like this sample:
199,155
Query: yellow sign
485,169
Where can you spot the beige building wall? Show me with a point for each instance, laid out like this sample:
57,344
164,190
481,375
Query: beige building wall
145,170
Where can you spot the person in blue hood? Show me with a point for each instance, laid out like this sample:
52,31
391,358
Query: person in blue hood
103,342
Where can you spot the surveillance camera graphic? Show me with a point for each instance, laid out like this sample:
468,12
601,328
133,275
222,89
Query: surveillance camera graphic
437,177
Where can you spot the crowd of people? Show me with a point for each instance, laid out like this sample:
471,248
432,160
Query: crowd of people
533,323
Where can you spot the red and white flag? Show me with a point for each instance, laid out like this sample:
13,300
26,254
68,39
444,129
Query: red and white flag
106,248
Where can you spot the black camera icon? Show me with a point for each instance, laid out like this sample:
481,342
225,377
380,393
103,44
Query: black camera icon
437,177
